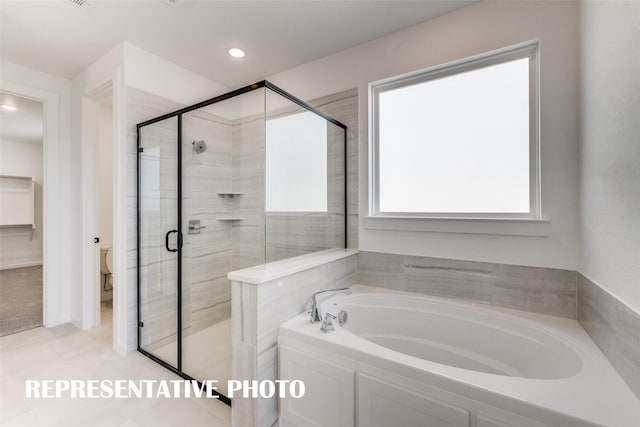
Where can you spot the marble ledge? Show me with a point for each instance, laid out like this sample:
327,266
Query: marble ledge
275,270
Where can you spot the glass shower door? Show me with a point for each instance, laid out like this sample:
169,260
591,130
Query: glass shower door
216,182
222,193
159,240
207,251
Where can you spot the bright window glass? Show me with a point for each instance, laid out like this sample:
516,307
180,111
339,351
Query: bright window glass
458,143
296,162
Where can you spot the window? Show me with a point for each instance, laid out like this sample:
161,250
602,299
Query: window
296,163
459,140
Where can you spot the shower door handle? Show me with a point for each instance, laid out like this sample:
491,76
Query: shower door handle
166,240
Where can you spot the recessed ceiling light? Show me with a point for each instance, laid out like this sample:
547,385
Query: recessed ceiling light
9,107
236,53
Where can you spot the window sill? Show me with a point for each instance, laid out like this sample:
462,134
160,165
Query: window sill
507,227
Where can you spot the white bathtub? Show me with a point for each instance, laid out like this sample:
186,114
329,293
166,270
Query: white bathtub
402,360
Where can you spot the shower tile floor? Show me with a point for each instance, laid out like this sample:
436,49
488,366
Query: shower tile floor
65,352
206,354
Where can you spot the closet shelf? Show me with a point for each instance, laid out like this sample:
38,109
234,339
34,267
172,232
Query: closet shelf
27,178
17,201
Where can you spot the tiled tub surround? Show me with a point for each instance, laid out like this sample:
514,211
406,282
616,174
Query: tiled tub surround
541,290
405,359
260,307
614,327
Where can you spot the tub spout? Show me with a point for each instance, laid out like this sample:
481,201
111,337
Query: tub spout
327,324
314,307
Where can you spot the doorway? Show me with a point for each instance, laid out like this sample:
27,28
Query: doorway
104,216
21,213
105,209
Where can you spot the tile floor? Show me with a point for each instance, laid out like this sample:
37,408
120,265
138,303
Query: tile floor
64,352
206,354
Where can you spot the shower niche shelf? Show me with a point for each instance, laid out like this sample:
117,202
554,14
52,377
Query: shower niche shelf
229,193
230,218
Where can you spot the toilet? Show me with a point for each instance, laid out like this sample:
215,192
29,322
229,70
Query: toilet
106,260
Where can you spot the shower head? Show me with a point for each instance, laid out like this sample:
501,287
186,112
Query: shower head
199,147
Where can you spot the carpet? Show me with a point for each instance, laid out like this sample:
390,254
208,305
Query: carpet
20,299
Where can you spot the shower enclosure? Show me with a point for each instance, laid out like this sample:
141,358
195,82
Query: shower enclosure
247,178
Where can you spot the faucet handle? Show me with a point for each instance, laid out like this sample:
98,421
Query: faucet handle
314,310
327,324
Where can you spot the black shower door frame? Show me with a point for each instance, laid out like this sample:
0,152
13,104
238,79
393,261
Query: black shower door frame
178,114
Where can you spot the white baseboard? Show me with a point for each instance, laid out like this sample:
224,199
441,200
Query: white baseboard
20,265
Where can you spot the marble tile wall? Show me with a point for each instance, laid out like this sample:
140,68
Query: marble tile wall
234,161
343,106
541,290
248,135
289,235
257,312
293,234
207,256
614,327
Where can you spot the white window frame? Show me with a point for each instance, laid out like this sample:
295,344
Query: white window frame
524,50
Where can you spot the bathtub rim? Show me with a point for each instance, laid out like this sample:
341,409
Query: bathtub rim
491,319
555,398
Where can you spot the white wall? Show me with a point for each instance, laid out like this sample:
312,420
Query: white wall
66,171
156,75
20,247
61,203
125,66
610,147
468,31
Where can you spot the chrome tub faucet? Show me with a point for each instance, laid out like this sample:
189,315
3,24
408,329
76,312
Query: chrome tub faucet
314,308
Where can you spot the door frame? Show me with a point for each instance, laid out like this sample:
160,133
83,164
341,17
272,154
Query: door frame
123,335
54,296
91,125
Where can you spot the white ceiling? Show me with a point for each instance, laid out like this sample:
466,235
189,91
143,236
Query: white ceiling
62,38
25,124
